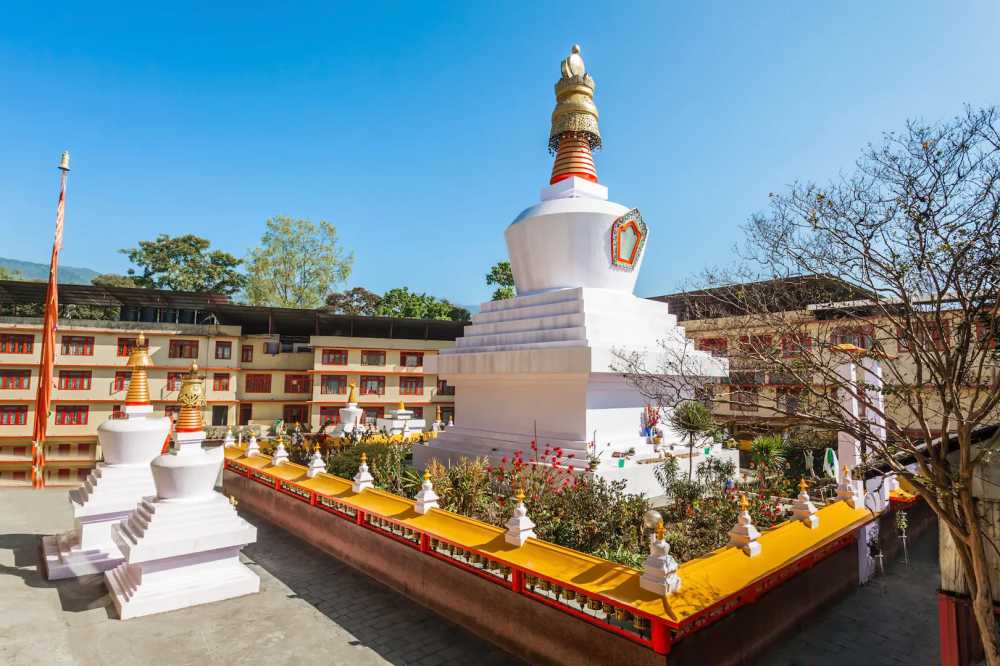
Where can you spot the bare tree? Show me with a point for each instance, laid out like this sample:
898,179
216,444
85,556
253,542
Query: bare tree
900,262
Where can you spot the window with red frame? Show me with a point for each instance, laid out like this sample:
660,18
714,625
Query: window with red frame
859,336
411,359
333,384
744,399
14,343
125,346
13,414
174,380
246,355
795,345
117,412
297,384
932,337
78,345
372,385
65,449
295,413
372,413
74,380
223,350
245,414
418,412
411,385
183,349
15,379
334,357
757,345
373,358
444,389
220,381
329,415
258,384
72,414
121,379
714,346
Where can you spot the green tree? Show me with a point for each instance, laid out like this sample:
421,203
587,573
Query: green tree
503,277
113,280
296,264
8,274
356,301
183,263
692,420
401,302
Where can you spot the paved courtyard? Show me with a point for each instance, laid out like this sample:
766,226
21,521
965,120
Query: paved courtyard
311,610
891,620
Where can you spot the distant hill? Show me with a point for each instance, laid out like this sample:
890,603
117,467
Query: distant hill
31,270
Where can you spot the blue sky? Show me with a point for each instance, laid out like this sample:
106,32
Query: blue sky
420,130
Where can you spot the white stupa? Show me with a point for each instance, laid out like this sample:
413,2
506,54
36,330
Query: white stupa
400,421
182,547
115,486
350,416
543,360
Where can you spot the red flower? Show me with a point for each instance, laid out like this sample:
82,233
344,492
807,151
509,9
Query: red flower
569,468
504,460
534,446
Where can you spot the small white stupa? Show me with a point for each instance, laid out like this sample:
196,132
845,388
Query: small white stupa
182,547
113,488
400,421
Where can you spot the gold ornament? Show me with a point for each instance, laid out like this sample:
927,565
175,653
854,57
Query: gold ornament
191,397
575,112
138,384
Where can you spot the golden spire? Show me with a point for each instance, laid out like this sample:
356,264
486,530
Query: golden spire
401,407
316,448
575,112
438,413
191,397
352,396
364,458
847,472
427,475
138,384
802,485
520,495
744,502
660,530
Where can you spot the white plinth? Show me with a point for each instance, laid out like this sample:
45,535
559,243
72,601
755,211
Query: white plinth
546,361
180,554
181,548
107,496
395,425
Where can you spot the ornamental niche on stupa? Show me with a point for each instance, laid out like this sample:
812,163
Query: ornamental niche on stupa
539,367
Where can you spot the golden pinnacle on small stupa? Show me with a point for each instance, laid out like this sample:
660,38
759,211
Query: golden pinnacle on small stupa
191,397
802,484
661,529
744,502
427,475
138,384
520,495
364,458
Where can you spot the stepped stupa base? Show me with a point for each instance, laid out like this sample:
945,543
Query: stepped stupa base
105,499
180,553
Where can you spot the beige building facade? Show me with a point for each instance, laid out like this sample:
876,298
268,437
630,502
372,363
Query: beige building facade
251,377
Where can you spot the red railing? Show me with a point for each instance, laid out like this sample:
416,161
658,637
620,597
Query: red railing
609,614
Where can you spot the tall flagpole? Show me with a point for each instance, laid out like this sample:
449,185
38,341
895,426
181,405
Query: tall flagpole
46,364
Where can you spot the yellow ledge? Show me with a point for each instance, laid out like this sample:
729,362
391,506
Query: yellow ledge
705,581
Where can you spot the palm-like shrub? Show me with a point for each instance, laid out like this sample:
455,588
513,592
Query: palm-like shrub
691,420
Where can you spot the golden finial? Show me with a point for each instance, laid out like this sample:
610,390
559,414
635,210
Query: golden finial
138,361
364,458
802,485
427,475
520,495
191,397
847,472
401,407
438,413
352,396
316,448
575,113
744,502
64,161
661,529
